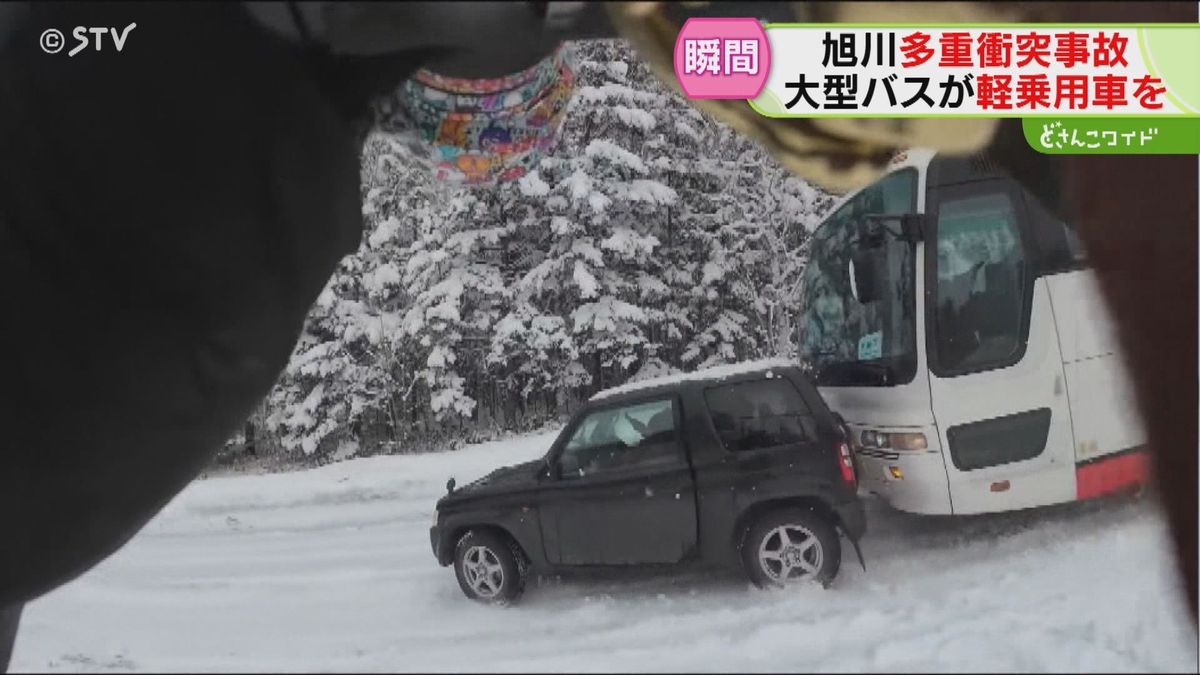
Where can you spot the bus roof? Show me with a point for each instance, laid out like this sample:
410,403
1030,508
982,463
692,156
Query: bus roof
918,158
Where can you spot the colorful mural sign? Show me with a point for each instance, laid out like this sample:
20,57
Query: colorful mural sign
492,130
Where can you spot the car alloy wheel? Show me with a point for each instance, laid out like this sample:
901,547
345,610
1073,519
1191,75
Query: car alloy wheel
483,571
791,553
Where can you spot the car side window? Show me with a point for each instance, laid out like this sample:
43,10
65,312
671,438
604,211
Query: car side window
760,414
641,434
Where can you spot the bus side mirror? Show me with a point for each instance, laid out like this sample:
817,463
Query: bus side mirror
912,227
862,266
867,266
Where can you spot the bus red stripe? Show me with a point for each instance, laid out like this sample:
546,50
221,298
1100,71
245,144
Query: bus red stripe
1110,474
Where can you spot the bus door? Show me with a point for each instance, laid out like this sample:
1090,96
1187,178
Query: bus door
996,374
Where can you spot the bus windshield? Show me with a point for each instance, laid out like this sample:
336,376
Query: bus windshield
846,342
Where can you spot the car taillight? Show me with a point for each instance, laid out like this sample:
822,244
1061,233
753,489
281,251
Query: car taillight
846,464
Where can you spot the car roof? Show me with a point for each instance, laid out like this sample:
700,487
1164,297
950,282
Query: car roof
674,382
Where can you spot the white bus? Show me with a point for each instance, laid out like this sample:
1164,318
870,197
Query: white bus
953,323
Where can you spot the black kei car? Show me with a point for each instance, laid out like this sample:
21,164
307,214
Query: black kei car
742,466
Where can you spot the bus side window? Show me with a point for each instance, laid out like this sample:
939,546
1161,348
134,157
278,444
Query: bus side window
1075,252
981,277
1059,248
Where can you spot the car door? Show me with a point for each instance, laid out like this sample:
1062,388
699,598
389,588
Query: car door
996,374
622,491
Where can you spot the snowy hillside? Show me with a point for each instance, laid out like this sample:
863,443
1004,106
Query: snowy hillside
331,570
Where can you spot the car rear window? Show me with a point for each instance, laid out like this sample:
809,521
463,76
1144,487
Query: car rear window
759,414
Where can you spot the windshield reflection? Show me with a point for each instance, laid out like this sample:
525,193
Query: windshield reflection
844,341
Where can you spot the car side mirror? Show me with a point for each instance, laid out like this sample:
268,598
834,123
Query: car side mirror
550,469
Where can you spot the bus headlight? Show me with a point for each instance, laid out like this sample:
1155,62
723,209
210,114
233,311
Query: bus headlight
907,441
882,440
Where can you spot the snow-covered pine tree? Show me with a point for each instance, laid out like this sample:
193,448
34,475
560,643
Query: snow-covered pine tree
348,368
605,215
654,240
453,275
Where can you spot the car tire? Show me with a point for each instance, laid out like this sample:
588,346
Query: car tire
489,567
812,551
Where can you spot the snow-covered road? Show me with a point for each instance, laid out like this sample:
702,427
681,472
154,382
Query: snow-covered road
330,570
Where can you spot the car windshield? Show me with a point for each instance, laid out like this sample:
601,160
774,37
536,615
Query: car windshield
845,341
